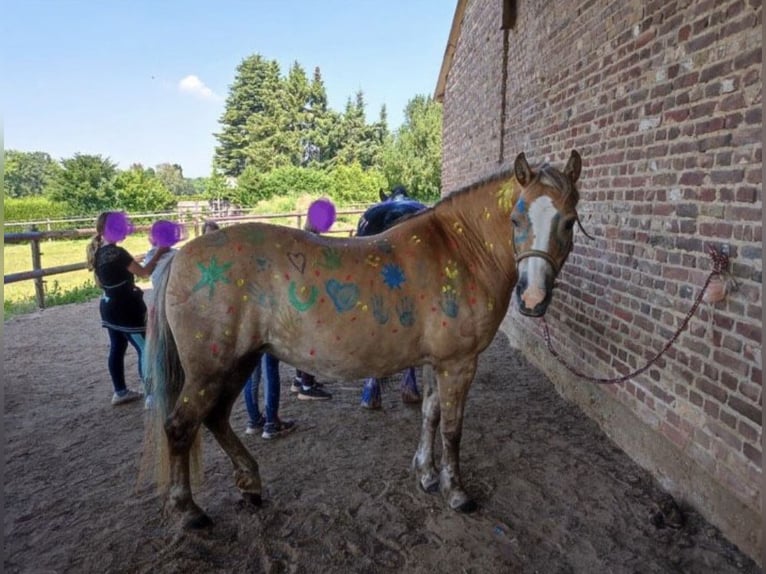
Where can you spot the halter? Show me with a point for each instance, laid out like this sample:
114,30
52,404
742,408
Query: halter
535,253
542,254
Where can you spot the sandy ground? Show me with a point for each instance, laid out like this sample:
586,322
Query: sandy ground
555,494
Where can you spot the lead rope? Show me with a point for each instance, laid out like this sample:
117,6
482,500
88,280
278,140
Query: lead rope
720,267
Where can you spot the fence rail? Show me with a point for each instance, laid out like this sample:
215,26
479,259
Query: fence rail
35,237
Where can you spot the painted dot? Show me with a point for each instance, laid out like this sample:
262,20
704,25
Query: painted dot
244,297
186,399
312,352
444,323
202,392
240,282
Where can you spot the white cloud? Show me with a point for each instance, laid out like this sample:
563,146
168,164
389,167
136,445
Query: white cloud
191,84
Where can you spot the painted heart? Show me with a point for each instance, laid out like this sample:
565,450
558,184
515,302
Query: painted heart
297,260
344,295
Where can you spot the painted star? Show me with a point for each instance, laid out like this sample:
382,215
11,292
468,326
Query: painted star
393,276
212,274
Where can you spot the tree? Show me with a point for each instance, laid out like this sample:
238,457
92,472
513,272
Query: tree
28,174
85,183
353,140
138,190
255,91
413,157
353,184
172,175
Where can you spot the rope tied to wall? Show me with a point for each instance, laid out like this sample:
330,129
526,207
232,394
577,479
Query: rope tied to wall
718,283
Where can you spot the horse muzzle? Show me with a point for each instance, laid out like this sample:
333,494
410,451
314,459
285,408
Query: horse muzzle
533,300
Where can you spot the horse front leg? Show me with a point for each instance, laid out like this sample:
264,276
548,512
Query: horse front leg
423,461
246,474
453,383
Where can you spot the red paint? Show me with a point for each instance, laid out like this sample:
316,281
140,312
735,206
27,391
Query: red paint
214,348
312,352
287,276
230,310
317,272
444,323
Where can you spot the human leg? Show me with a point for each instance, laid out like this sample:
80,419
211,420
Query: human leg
118,345
274,426
255,419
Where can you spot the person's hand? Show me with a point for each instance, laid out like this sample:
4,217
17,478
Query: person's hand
162,250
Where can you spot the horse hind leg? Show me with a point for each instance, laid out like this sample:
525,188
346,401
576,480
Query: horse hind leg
182,431
423,461
246,474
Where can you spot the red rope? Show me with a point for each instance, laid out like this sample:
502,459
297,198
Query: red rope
720,267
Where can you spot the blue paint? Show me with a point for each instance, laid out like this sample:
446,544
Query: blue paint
521,207
406,310
449,304
343,295
378,310
393,276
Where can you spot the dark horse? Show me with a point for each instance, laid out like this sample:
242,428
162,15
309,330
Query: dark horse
376,219
431,290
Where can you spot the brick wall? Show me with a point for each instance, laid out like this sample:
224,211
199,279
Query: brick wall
663,100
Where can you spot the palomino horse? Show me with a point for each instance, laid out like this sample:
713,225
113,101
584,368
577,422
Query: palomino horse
431,290
376,219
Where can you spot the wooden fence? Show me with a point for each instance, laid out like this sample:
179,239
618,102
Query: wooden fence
34,237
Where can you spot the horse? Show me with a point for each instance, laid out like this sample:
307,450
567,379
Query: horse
431,290
376,219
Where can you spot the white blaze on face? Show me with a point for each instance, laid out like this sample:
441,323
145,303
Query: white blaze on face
541,215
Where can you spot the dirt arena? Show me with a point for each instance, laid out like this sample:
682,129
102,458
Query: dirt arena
555,495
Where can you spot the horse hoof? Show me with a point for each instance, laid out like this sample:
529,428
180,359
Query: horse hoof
252,499
430,488
467,507
197,522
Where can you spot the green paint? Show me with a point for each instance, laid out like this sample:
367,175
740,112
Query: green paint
302,305
211,275
332,259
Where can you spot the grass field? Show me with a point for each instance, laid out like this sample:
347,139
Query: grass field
76,286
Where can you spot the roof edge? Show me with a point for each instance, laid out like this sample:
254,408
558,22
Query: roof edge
449,51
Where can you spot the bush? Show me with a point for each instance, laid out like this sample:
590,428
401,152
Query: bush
35,209
352,184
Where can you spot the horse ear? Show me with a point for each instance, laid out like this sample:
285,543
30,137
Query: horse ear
521,169
574,165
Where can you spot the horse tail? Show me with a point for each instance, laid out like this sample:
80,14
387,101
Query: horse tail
164,376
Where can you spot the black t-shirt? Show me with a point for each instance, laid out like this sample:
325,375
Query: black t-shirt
122,305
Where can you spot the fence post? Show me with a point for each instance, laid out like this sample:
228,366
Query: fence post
36,266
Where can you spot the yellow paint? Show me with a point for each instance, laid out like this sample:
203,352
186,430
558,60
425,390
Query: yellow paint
362,306
202,392
227,332
451,270
186,399
487,213
489,245
415,239
240,282
373,260
457,227
198,335
506,196
244,297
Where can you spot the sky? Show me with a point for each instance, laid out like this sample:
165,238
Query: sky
145,81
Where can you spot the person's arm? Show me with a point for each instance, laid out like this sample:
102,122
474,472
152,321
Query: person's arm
146,269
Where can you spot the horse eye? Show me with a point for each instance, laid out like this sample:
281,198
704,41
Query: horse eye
569,224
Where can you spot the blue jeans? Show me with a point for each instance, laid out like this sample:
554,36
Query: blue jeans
270,390
118,345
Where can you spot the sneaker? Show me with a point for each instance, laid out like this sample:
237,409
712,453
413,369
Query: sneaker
254,427
277,429
298,385
126,396
313,394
